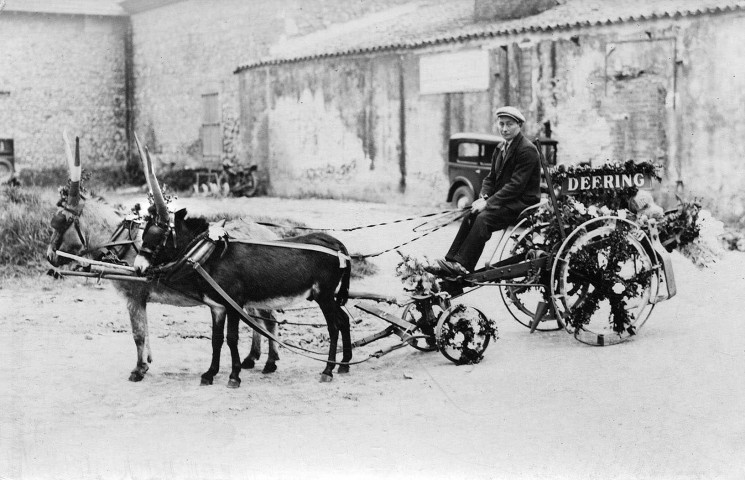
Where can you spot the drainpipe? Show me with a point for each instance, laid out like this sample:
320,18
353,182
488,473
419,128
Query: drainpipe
402,124
132,165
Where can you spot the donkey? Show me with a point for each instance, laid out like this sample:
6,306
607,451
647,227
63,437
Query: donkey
264,275
78,226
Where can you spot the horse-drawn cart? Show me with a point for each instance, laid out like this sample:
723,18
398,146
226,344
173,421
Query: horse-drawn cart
597,271
589,260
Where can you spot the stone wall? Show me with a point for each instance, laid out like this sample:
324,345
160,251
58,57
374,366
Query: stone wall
665,91
57,72
187,49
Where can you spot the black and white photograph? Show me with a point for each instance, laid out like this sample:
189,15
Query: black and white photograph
372,239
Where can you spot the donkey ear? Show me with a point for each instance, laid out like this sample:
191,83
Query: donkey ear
180,215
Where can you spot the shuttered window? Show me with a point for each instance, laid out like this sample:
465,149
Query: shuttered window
211,138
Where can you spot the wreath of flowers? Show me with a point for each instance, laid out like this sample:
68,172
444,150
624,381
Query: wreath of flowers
680,227
467,332
414,276
607,278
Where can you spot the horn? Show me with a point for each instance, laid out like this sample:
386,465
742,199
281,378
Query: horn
73,197
144,163
158,199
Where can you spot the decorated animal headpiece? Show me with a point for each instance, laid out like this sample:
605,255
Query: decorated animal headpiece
71,193
159,201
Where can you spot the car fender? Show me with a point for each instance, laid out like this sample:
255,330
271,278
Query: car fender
457,182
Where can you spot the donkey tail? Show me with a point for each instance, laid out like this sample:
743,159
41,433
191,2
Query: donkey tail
343,294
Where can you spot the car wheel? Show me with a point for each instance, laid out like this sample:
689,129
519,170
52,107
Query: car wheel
462,197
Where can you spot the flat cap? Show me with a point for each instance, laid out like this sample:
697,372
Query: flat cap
511,112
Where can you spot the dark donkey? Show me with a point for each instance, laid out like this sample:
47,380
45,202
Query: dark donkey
266,275
78,227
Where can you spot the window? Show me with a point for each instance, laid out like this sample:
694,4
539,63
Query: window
211,138
469,152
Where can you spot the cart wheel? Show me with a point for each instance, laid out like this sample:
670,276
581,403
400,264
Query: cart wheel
246,185
463,333
223,182
425,314
590,281
522,302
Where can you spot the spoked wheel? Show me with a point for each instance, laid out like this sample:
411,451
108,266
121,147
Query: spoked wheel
463,333
603,280
523,301
245,186
425,313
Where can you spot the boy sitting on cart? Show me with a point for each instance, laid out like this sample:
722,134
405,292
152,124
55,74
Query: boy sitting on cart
512,185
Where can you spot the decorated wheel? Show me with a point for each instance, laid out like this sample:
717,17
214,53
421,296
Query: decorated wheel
425,314
522,301
463,333
603,281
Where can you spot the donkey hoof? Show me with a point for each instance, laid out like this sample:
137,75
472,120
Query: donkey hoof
234,383
326,377
343,369
269,368
206,381
136,376
248,363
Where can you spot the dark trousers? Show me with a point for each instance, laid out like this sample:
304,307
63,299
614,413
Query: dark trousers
475,231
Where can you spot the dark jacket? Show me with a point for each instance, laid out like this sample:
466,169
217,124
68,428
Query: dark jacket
514,181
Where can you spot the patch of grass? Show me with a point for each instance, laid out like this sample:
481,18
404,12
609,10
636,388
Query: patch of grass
362,267
24,229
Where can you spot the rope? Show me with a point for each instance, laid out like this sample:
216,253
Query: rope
351,229
461,214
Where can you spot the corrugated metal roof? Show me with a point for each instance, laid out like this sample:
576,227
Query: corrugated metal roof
69,7
433,22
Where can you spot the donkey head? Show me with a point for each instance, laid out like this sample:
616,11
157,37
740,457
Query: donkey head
65,223
161,245
157,229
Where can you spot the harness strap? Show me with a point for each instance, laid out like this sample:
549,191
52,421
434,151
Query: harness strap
106,245
343,258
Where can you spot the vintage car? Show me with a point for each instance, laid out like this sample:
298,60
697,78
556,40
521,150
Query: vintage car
469,161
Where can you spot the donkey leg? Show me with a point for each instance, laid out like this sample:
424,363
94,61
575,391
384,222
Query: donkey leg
273,355
138,319
346,339
255,353
327,307
235,357
218,327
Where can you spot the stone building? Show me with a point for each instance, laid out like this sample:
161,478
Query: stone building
356,98
63,65
366,111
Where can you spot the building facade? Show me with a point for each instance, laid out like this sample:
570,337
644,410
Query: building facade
63,66
357,98
643,81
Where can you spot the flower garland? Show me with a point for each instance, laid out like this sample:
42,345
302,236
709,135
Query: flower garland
612,198
414,276
467,331
680,227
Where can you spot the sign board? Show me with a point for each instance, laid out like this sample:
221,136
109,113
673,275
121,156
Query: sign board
465,71
583,183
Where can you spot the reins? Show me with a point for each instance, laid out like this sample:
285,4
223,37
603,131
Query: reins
360,227
444,213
